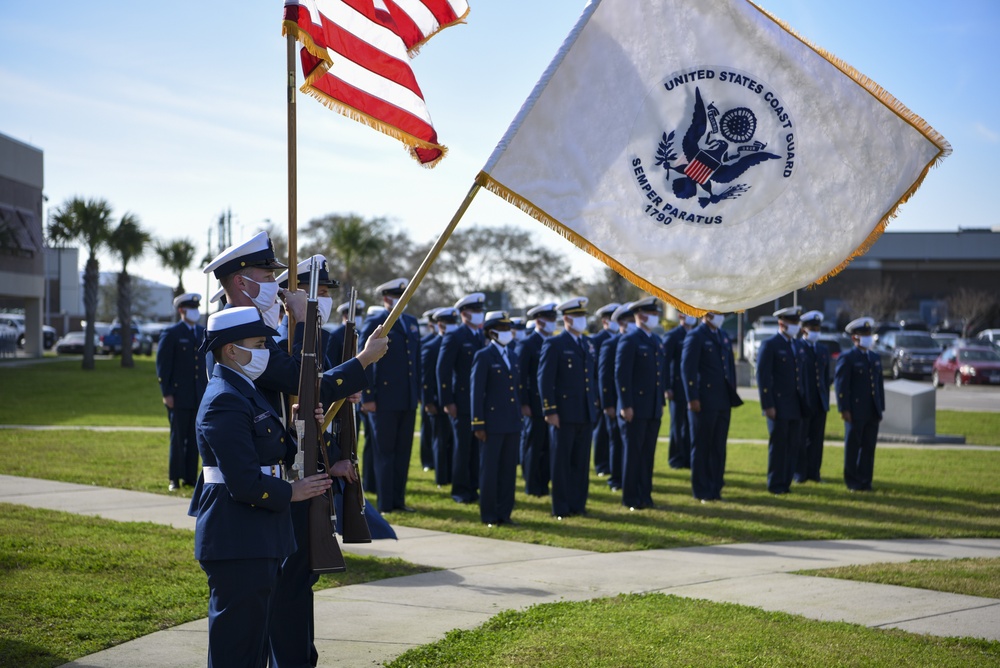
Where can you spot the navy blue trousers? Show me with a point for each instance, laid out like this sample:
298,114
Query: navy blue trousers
239,606
444,444
393,447
569,453
497,476
368,455
535,455
183,446
616,450
426,440
602,454
464,461
709,431
639,438
291,630
783,447
811,455
859,453
679,454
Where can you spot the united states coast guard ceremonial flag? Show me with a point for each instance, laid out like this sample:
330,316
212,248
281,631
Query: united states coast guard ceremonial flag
355,59
707,153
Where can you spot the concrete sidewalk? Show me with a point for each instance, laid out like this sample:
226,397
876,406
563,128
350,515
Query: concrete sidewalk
371,623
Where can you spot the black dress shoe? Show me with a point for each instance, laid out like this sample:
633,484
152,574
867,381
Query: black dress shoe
173,486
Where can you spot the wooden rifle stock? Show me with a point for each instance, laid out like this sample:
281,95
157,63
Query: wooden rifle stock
325,555
354,524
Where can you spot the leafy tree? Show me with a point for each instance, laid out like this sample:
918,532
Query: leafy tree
129,242
351,243
88,222
176,255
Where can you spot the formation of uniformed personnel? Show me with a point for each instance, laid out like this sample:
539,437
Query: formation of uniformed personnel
518,325
781,384
817,381
496,419
534,430
708,370
454,376
567,381
443,439
243,530
625,323
180,370
679,454
861,402
602,460
246,272
641,390
324,303
391,398
429,332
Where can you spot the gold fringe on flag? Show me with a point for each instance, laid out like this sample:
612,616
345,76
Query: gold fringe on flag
306,40
415,49
498,189
894,105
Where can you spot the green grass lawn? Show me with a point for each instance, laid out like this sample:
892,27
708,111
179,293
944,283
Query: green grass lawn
642,631
73,585
972,577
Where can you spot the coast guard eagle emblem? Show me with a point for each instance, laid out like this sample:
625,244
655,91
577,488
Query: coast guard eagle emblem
711,146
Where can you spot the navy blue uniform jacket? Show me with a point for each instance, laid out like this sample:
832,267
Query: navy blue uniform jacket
639,375
817,374
529,350
454,368
780,377
180,367
394,381
247,516
606,371
673,344
495,394
429,352
858,381
707,364
567,379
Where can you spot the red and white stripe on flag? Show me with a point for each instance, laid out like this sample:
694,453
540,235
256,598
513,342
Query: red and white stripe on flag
355,60
708,154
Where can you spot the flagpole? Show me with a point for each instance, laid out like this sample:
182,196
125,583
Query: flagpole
432,255
292,181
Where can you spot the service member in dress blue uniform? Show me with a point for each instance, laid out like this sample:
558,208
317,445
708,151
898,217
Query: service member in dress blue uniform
180,369
454,376
679,454
602,461
246,272
368,451
861,402
391,399
567,381
429,332
709,374
243,530
335,342
519,326
534,430
625,322
324,303
496,419
446,320
781,384
818,381
641,388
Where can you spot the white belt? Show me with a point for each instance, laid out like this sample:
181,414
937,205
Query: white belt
214,475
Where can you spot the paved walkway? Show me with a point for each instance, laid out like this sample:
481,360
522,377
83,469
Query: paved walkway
364,625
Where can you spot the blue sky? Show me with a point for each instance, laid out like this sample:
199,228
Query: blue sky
175,111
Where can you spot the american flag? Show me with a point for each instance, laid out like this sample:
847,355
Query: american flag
355,59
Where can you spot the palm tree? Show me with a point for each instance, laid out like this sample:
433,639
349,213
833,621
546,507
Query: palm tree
350,239
87,222
176,255
129,241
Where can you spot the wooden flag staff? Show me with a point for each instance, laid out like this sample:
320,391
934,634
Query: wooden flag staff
414,282
292,182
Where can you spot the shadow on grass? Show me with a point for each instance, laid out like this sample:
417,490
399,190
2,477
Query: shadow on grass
17,653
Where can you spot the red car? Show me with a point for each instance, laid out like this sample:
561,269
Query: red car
968,365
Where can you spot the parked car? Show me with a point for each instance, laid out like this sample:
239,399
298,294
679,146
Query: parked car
945,339
72,343
989,337
837,344
968,365
16,320
883,327
142,344
905,353
753,338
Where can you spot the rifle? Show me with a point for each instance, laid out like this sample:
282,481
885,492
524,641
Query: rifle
355,526
324,551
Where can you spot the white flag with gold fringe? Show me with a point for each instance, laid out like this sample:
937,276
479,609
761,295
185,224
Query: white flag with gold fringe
709,154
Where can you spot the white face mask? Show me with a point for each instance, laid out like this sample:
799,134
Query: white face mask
630,327
266,297
519,335
792,330
476,317
257,363
717,319
651,320
450,327
545,326
192,315
690,320
813,336
325,305
866,341
503,338
579,324
273,315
